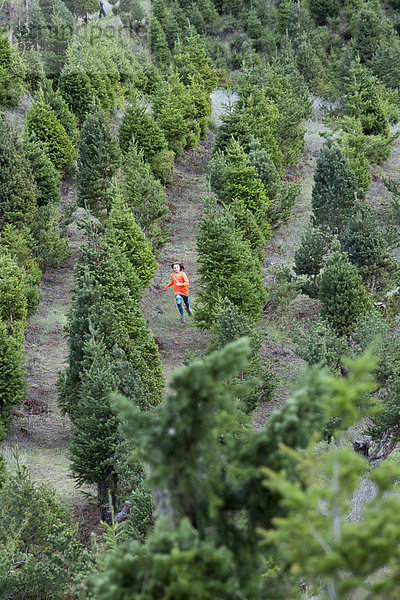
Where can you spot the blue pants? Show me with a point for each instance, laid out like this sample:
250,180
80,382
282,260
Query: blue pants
102,11
179,299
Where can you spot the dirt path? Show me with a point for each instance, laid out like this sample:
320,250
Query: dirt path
185,196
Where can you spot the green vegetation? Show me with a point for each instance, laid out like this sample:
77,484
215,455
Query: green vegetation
107,115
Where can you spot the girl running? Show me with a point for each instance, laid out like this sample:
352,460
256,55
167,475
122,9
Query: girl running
180,285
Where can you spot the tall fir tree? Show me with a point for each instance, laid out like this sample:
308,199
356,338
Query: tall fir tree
309,257
342,292
124,231
335,188
144,194
98,161
43,122
227,267
158,43
17,187
44,172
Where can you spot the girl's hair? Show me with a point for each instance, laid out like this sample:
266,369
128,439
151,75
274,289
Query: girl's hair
181,266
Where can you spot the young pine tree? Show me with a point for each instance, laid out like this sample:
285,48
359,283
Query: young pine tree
18,191
309,258
12,381
227,267
44,172
98,162
342,292
95,438
43,122
124,231
144,194
158,43
334,193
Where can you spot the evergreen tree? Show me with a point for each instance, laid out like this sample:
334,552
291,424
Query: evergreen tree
124,231
144,194
174,111
335,189
77,90
266,170
158,43
191,59
365,243
60,107
232,325
365,101
227,267
20,245
51,248
17,188
11,73
202,455
13,301
12,382
140,127
98,162
309,258
370,30
242,181
106,295
95,437
342,293
43,122
44,172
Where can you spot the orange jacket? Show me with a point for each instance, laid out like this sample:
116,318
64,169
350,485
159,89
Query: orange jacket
179,282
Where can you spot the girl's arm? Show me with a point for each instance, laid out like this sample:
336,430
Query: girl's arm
169,285
186,280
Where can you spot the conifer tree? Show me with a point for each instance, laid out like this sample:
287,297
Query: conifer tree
342,293
365,243
51,248
12,382
309,258
334,193
98,161
144,194
13,301
20,245
158,43
106,295
77,90
242,181
173,109
17,188
266,170
202,455
43,122
140,127
191,58
11,73
124,231
44,172
95,437
227,267
232,325
60,107
370,30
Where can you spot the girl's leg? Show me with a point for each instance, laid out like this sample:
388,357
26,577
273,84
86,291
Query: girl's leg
186,301
178,299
